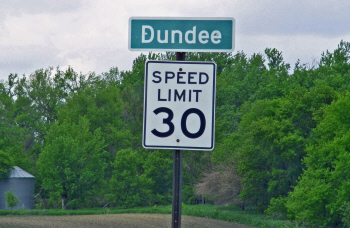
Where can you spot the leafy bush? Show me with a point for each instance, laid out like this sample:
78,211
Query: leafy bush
11,199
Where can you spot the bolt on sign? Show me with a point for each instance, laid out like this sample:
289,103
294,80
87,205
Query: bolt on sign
179,105
181,34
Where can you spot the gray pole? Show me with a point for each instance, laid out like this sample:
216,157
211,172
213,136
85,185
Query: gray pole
177,174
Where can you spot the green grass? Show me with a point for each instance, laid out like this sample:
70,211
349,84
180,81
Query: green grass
227,213
93,211
233,214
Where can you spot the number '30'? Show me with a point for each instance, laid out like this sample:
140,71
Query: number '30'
184,130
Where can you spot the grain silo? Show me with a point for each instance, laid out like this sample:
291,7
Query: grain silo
22,185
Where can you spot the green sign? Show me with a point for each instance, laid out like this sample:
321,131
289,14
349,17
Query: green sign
181,34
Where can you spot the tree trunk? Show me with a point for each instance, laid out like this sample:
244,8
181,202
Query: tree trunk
64,201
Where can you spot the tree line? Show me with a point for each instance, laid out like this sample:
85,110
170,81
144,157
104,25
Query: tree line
282,137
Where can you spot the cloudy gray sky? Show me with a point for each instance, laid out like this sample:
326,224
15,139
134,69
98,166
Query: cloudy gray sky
92,35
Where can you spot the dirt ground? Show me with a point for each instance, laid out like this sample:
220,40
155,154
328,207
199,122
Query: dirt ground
111,220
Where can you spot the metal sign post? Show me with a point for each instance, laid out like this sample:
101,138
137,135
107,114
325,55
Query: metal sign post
179,113
177,174
179,96
177,189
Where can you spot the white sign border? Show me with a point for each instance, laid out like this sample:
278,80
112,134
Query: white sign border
145,108
183,18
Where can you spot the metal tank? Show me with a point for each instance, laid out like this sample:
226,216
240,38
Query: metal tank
22,185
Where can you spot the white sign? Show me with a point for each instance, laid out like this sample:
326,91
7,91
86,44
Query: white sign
179,105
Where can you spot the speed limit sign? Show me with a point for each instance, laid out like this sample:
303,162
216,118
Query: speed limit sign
179,105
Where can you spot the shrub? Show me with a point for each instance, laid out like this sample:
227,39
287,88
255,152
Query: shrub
11,199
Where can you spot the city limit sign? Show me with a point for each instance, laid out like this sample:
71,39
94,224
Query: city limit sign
179,105
181,34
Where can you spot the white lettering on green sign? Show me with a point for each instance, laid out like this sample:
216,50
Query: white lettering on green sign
190,36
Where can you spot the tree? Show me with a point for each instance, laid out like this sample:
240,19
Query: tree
6,164
102,103
334,69
223,60
158,167
12,137
72,163
223,185
129,186
11,199
269,146
322,189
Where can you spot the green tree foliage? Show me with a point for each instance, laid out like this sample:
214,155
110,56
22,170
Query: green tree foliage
223,60
267,133
101,103
324,186
6,164
81,127
29,105
129,186
72,163
141,178
248,79
273,135
12,136
11,199
158,167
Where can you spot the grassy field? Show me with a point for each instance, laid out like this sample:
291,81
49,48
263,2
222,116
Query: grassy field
231,214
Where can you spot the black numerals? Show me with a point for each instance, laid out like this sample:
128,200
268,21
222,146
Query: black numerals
168,122
165,121
184,126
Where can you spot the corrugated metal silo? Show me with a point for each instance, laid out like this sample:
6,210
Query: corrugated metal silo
22,185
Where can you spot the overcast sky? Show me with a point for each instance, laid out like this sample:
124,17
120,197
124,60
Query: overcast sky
92,35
